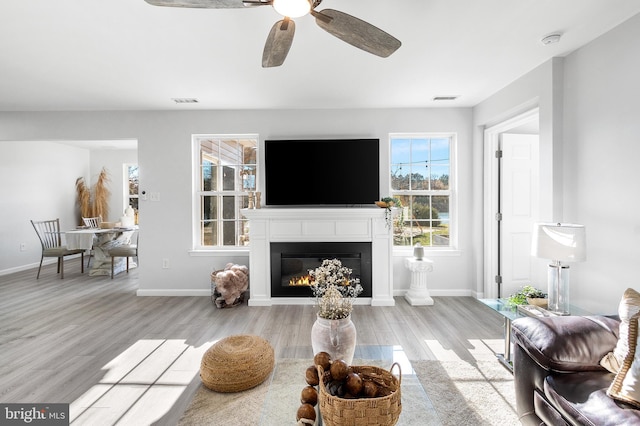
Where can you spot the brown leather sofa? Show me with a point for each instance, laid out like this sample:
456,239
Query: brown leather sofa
557,373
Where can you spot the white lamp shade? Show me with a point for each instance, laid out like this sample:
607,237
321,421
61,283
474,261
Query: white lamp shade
563,242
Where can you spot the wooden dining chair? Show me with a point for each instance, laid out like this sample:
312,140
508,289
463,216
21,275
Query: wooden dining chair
91,222
51,240
124,250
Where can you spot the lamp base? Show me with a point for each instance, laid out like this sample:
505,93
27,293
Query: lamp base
558,289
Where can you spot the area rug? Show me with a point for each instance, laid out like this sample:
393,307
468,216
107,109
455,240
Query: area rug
457,393
469,393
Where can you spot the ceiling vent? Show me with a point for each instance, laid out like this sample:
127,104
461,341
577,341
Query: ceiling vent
445,98
185,100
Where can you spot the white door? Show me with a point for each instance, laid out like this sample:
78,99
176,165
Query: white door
518,207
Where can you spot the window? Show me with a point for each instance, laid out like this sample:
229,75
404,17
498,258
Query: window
131,186
421,172
225,172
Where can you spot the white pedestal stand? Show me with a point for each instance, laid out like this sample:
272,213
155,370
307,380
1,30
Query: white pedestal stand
418,293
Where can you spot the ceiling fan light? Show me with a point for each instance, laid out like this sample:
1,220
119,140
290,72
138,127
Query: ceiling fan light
292,8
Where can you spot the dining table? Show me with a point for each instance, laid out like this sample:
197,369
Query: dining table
101,240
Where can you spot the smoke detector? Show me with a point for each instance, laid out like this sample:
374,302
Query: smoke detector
551,39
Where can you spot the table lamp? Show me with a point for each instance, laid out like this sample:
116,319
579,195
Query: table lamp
559,242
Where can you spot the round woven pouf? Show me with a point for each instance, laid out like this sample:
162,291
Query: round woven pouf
237,363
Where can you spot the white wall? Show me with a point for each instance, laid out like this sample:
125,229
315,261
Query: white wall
589,132
164,157
601,171
37,181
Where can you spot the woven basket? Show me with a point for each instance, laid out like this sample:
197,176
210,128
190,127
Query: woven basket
237,363
380,411
216,296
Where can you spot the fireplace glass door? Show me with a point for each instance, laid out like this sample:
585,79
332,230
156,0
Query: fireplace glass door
291,262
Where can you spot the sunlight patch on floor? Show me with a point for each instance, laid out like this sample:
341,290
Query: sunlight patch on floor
141,384
479,349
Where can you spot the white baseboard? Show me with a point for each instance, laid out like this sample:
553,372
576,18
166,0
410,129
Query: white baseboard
296,301
441,293
174,292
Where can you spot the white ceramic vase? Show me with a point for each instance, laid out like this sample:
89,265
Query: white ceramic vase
336,337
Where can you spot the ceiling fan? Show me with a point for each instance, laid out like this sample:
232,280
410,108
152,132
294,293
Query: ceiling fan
347,28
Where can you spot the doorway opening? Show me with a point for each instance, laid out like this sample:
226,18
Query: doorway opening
512,169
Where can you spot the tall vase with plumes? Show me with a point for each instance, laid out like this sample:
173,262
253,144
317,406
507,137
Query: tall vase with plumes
337,337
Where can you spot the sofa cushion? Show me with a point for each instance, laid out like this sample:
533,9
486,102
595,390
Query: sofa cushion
582,397
629,311
626,385
545,341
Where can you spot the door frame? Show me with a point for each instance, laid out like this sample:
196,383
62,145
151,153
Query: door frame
492,196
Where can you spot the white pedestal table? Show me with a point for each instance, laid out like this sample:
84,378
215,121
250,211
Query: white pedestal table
418,293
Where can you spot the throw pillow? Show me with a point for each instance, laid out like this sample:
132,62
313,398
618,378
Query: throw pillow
626,384
629,312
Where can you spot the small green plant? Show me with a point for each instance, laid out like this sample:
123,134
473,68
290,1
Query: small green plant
388,216
527,292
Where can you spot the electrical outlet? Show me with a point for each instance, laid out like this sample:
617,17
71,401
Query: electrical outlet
23,246
165,263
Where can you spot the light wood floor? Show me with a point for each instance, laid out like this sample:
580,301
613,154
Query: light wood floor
70,340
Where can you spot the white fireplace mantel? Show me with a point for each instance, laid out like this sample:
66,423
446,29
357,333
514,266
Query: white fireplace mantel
267,225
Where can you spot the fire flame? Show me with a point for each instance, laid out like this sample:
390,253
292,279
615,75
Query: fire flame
304,280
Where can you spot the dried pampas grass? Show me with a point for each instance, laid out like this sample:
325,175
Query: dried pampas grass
101,195
84,198
99,204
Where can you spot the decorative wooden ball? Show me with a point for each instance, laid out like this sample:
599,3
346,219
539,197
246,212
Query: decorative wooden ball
306,411
309,395
311,376
339,369
323,359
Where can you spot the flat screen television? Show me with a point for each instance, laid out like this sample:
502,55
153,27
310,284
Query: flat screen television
322,172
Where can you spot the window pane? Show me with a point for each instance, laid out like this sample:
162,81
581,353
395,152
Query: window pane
249,152
209,234
441,206
229,233
209,176
228,178
248,175
400,161
209,208
419,176
440,177
244,233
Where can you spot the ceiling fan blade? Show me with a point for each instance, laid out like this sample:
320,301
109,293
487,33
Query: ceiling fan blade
204,4
278,43
357,32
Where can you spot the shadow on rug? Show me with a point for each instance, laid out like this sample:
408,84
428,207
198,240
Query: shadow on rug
460,393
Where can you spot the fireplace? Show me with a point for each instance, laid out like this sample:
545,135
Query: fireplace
272,226
291,261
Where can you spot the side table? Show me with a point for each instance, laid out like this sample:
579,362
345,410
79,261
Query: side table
418,293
